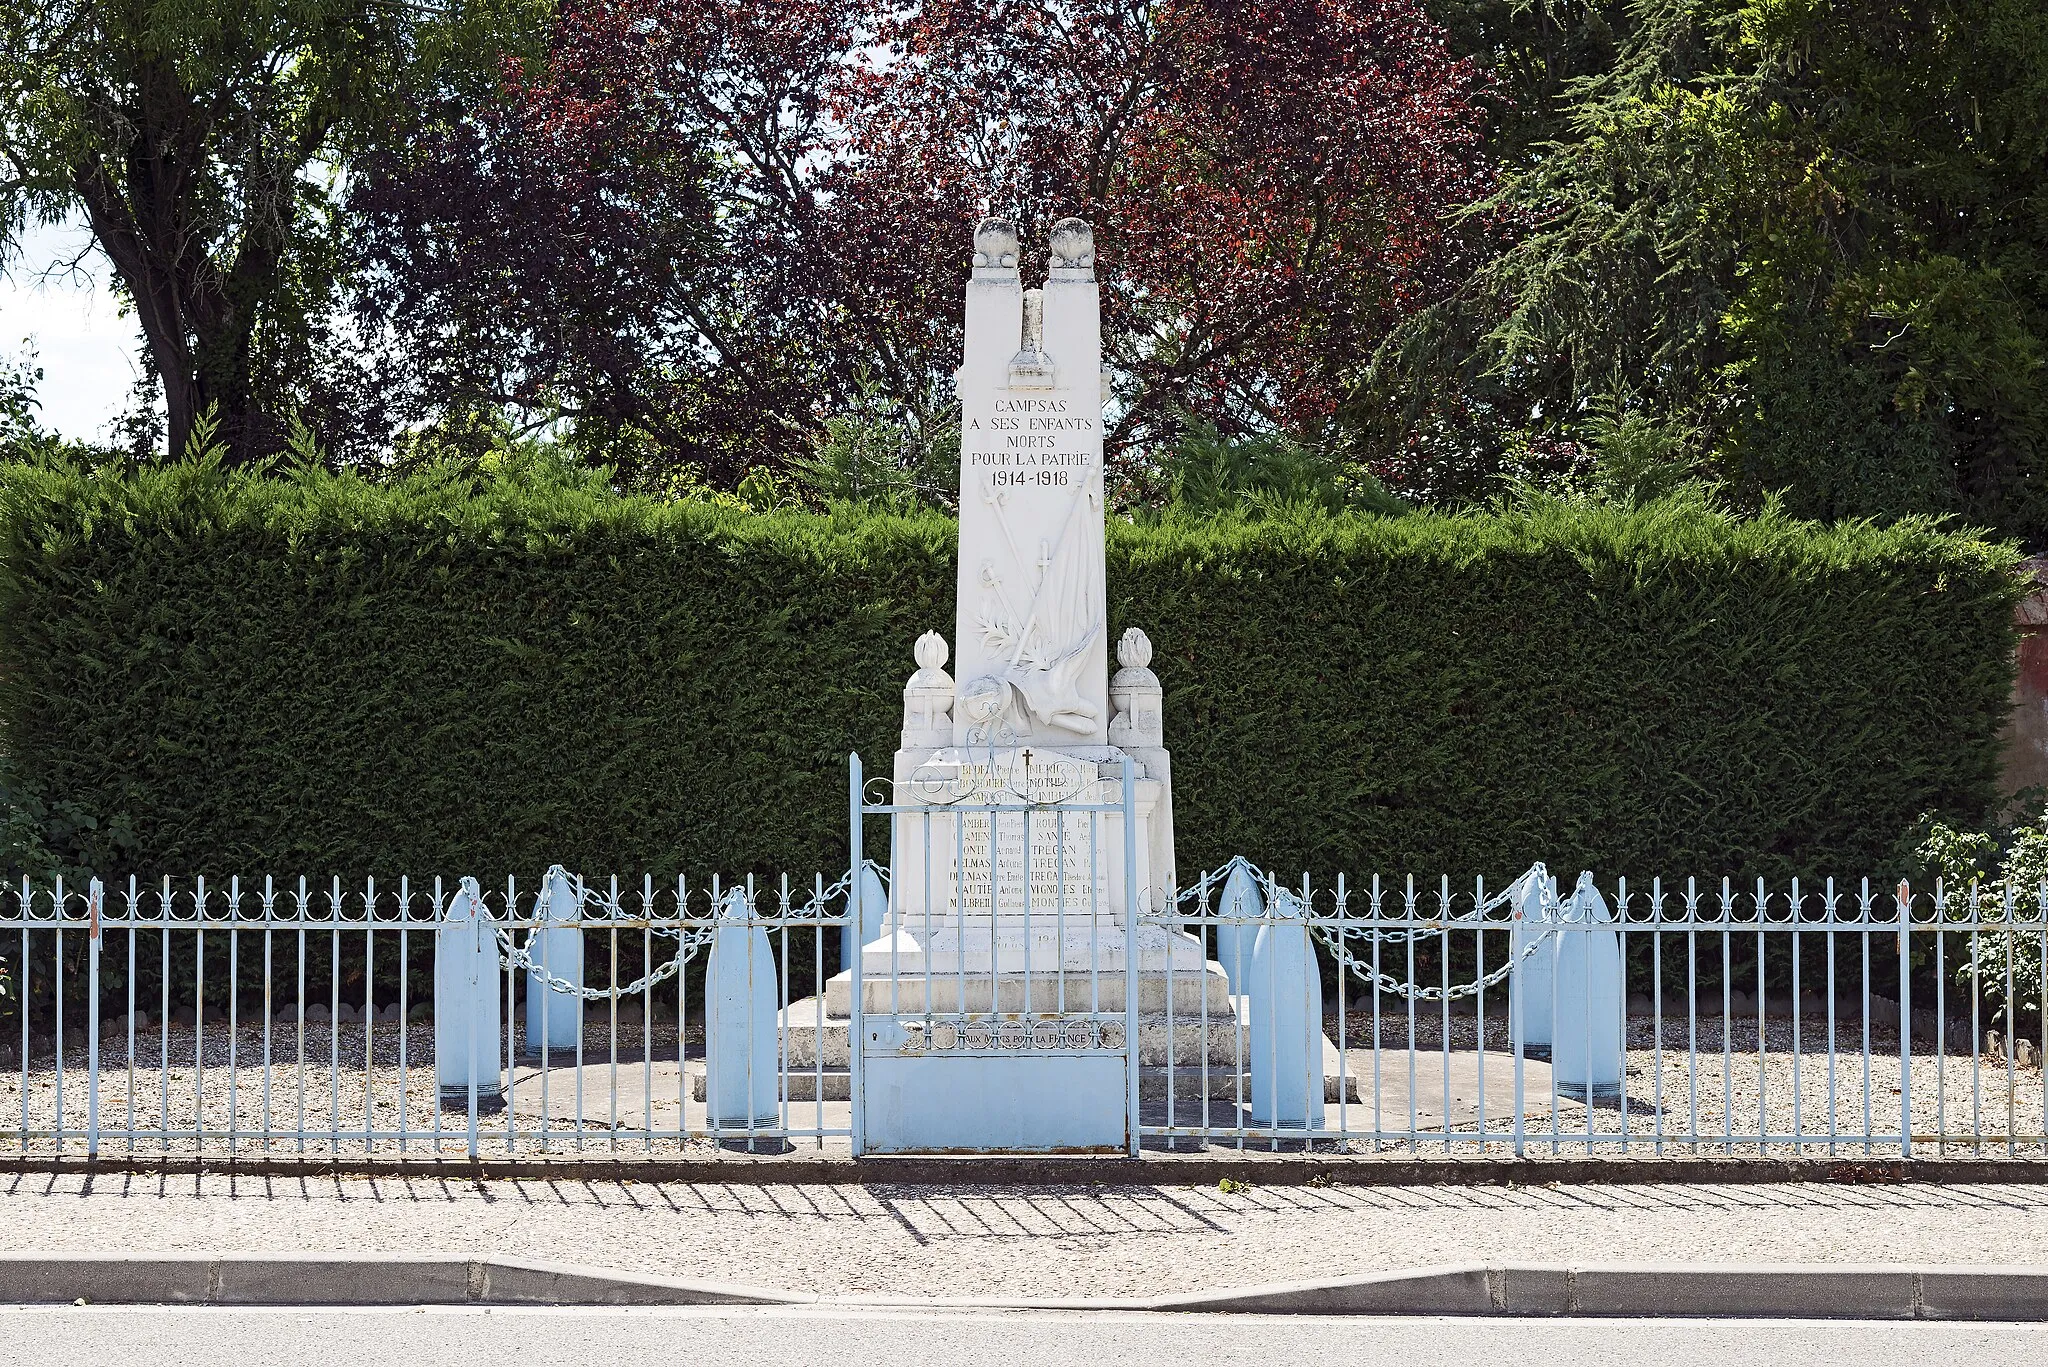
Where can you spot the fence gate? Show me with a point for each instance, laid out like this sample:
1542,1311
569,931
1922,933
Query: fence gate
996,1007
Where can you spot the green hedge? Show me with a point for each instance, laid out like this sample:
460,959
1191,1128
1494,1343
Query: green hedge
206,672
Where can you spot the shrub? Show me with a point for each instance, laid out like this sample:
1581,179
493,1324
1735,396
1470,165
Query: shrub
315,674
1988,878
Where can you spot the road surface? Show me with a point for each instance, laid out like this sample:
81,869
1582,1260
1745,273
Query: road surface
136,1336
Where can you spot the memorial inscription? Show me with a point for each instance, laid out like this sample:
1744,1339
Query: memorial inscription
1065,869
1028,704
1032,444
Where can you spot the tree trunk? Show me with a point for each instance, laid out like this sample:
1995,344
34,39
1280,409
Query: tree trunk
182,407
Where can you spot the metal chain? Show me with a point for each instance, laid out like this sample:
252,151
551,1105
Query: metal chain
1379,936
1334,938
1372,977
688,940
520,957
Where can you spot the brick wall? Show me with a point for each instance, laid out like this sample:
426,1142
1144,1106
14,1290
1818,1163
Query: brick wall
2026,733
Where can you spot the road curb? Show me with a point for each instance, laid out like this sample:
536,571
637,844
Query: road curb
250,1279
1670,1290
1166,1169
1667,1290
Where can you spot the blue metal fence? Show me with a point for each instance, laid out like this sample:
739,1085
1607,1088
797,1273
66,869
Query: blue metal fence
263,1018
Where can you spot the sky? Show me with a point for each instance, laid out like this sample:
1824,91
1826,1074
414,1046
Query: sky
86,349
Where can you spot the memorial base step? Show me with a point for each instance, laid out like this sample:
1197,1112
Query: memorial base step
1191,990
1225,1088
1218,1041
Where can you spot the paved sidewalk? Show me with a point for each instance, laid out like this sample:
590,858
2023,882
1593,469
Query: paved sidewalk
1022,1242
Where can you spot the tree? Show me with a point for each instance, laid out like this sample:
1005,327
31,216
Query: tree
21,435
1811,234
1435,413
621,236
203,145
1532,52
1269,183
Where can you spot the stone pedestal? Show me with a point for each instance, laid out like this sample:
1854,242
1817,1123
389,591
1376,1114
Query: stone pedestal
1064,856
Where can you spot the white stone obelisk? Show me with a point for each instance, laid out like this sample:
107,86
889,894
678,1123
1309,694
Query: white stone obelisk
1030,639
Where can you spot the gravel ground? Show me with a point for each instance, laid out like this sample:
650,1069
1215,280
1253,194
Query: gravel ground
323,1089
1694,1084
1029,1242
1966,1103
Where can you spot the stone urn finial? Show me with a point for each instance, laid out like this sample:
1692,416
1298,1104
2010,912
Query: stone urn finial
995,247
1135,694
1134,649
1073,250
928,697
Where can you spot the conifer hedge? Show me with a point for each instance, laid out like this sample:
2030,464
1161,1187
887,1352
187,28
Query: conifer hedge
208,672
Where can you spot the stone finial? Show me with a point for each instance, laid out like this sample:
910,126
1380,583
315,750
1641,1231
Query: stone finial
995,248
1134,649
928,697
1073,250
1135,695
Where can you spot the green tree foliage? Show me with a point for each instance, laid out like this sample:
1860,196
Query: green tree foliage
1207,474
223,672
203,145
876,455
21,435
1431,412
1532,52
1799,243
23,438
1811,235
